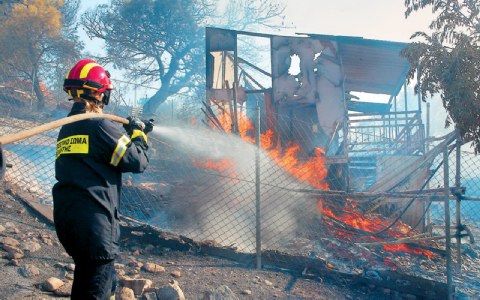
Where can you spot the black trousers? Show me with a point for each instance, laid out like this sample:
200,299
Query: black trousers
93,279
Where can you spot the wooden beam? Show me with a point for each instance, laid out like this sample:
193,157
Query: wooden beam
45,211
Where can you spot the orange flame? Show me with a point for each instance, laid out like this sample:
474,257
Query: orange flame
221,165
224,166
405,248
372,225
312,170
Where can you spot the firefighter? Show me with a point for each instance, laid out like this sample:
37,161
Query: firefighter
91,156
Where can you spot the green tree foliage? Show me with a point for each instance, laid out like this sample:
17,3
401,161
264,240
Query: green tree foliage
162,42
448,61
68,52
32,42
155,41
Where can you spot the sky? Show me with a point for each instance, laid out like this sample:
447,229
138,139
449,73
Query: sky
370,19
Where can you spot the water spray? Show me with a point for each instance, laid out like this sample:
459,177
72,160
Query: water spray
205,144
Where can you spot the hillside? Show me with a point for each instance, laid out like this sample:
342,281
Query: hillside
196,275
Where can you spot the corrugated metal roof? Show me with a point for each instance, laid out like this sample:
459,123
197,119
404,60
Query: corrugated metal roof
371,66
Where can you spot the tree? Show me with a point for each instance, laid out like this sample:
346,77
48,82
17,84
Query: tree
448,61
68,51
31,42
155,41
159,42
253,14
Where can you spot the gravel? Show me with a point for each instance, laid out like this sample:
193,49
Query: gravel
195,274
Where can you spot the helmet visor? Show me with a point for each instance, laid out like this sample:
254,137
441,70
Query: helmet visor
106,97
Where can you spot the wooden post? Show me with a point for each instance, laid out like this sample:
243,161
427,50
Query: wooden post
224,62
235,113
408,130
230,106
396,117
235,88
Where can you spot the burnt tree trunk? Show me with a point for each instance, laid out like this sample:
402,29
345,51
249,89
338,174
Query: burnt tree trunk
150,107
38,93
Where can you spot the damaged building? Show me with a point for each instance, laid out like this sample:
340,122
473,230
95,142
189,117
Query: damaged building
325,82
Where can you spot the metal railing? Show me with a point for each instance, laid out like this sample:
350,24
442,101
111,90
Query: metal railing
388,133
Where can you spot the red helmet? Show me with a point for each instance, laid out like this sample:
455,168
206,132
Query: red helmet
87,76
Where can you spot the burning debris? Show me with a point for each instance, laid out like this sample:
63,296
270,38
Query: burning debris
224,181
211,196
311,80
329,226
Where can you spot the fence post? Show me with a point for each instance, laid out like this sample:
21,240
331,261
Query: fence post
408,129
427,145
447,221
235,87
428,128
458,204
346,144
258,227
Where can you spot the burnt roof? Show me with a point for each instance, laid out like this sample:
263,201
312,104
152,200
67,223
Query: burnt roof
371,66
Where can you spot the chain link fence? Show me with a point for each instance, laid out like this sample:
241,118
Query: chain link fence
207,184
30,161
470,179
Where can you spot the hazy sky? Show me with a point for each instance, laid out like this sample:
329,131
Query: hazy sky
370,19
373,19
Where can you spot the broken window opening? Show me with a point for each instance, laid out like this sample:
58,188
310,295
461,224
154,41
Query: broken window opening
294,65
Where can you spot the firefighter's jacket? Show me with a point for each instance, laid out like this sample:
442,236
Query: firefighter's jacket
91,156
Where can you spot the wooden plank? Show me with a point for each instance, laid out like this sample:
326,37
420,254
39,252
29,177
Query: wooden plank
44,211
408,169
336,160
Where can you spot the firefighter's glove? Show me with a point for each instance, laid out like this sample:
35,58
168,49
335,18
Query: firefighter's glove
136,130
133,124
148,125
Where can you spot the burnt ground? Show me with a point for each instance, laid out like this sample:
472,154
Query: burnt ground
198,274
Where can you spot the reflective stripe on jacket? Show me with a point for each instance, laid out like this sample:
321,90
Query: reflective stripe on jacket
91,155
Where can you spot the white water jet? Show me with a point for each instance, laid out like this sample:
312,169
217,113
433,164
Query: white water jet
215,207
206,144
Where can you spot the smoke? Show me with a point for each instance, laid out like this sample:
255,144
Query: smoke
204,144
220,204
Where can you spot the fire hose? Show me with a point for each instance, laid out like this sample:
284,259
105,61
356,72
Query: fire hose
11,138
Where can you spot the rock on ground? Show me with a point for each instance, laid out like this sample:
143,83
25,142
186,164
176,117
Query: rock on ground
199,274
